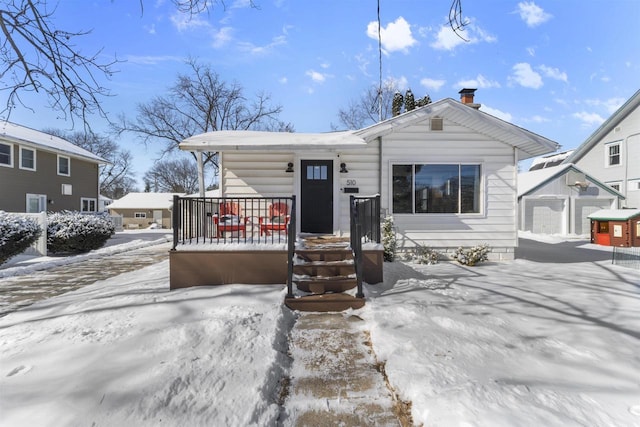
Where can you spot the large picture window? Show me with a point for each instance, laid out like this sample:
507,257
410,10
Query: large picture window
436,188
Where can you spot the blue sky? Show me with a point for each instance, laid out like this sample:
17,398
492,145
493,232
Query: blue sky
556,67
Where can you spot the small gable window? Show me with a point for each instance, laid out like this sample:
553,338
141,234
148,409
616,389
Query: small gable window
437,123
613,154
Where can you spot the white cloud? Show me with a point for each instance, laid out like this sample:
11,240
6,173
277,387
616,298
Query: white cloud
283,80
554,73
325,65
151,29
186,22
262,50
222,37
539,119
316,76
447,39
432,84
588,119
496,113
524,75
531,51
610,105
152,60
479,82
532,14
395,37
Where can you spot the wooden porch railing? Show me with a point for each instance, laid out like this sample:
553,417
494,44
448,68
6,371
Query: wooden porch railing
365,226
220,220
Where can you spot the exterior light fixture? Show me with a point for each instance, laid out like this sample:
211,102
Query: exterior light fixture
343,168
289,167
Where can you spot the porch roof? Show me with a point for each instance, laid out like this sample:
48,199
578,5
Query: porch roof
236,140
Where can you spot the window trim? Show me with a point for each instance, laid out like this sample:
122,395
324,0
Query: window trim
140,215
608,156
20,165
58,165
89,200
618,183
412,163
11,155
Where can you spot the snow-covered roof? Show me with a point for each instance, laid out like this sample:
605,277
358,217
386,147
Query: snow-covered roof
606,127
529,143
12,132
615,214
145,201
230,140
208,193
529,181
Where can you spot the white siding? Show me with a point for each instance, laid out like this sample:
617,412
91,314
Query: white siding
495,225
256,174
627,132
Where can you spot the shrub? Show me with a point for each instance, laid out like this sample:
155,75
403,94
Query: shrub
17,233
389,239
426,255
73,232
471,256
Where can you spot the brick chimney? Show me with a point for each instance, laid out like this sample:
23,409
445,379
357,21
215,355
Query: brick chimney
466,97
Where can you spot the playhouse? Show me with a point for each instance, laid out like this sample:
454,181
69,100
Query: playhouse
616,227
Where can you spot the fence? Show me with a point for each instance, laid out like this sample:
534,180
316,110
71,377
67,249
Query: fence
39,247
255,220
626,257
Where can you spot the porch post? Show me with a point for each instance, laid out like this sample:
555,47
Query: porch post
200,173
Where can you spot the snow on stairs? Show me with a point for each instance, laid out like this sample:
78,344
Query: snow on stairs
325,269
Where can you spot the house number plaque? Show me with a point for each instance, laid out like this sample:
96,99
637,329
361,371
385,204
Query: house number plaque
351,182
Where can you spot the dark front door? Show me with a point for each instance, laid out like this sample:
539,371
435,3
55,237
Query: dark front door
316,198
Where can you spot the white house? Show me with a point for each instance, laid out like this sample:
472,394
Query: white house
141,210
446,172
612,153
559,199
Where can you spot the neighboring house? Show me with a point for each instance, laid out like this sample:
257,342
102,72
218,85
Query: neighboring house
446,172
559,199
103,202
41,172
612,153
142,210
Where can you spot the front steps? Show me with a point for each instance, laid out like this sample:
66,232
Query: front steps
325,268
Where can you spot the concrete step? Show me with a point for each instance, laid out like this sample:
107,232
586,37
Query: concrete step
324,303
331,284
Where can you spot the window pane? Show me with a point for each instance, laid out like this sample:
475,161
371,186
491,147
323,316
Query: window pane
27,158
63,165
436,188
470,189
5,154
402,189
614,154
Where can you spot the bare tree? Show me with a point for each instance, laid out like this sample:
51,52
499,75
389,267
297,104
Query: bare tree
365,111
201,102
173,176
116,177
35,55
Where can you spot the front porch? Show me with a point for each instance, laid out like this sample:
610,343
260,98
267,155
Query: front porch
235,240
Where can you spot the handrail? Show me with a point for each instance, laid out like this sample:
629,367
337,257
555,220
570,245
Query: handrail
364,216
291,236
220,220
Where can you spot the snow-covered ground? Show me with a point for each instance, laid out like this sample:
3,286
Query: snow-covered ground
500,344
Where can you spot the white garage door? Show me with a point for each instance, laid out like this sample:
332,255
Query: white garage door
544,216
586,207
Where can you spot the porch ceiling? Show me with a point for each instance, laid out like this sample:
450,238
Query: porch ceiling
236,140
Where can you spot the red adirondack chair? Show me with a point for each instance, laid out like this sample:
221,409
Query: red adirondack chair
278,219
230,219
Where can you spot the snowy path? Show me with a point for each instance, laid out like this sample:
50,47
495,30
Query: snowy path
23,290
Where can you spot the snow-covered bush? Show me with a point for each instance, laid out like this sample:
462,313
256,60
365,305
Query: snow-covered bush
389,239
473,255
17,233
73,232
426,255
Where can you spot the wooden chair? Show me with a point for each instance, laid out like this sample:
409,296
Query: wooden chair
278,219
230,219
